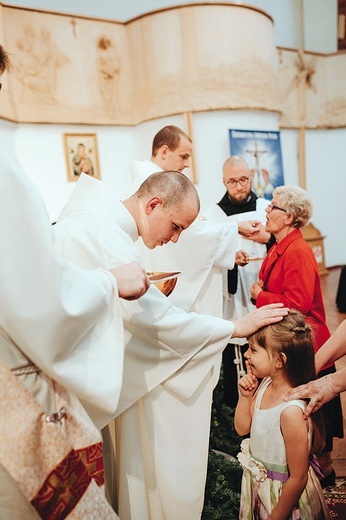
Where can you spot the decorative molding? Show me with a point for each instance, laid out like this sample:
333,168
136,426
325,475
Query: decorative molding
76,70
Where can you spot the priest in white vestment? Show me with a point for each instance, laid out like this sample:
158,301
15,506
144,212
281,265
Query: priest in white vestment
56,320
53,316
164,409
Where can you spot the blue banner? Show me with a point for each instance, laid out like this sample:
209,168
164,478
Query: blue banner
262,152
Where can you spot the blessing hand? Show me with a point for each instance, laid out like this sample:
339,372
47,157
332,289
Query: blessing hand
258,318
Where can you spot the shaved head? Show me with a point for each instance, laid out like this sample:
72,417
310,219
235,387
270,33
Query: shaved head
235,163
237,178
174,188
164,206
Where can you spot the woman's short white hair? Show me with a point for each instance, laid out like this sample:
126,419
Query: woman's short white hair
296,201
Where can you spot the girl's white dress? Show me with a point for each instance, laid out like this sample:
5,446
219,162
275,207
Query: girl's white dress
263,458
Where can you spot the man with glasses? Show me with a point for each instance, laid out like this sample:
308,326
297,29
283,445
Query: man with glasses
239,203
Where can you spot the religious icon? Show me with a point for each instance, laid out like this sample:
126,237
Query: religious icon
81,156
261,183
262,152
108,64
37,61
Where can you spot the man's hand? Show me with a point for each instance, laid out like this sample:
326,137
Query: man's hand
249,228
253,321
132,280
262,237
241,258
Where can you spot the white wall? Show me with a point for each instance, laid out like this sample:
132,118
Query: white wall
326,183
40,150
41,153
320,25
7,136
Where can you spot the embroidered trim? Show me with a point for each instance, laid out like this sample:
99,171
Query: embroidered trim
67,483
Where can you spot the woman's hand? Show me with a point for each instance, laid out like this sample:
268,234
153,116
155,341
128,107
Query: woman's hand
255,289
319,391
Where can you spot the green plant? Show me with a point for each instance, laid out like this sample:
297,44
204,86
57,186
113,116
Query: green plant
222,492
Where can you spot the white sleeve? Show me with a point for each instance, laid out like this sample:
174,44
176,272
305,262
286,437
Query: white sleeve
225,256
50,308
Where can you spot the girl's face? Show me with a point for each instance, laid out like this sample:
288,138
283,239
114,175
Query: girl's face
261,364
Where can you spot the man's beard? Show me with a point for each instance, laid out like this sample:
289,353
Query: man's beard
245,198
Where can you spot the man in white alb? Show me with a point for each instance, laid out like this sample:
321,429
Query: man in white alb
162,423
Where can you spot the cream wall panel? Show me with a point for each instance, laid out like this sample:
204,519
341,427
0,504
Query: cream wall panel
176,68
184,59
59,68
83,71
313,89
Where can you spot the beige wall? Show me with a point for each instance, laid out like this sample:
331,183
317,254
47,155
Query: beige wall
86,71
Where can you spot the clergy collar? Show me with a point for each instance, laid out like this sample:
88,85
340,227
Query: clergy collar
126,221
90,196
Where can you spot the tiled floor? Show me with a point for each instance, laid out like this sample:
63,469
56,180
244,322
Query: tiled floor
330,284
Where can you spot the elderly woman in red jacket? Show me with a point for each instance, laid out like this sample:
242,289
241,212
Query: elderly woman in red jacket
289,274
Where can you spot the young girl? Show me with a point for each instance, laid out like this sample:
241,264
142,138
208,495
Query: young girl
279,481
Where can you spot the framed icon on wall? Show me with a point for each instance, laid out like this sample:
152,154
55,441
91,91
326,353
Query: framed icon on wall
81,156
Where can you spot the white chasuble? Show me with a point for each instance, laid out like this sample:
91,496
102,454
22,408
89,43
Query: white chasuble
51,309
168,369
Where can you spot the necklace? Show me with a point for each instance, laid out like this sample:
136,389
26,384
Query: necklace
277,397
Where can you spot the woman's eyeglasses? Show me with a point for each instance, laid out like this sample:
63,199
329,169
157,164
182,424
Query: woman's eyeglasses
273,206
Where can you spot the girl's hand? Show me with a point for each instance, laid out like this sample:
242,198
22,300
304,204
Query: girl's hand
248,383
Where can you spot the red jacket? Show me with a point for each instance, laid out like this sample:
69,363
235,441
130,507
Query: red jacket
290,275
